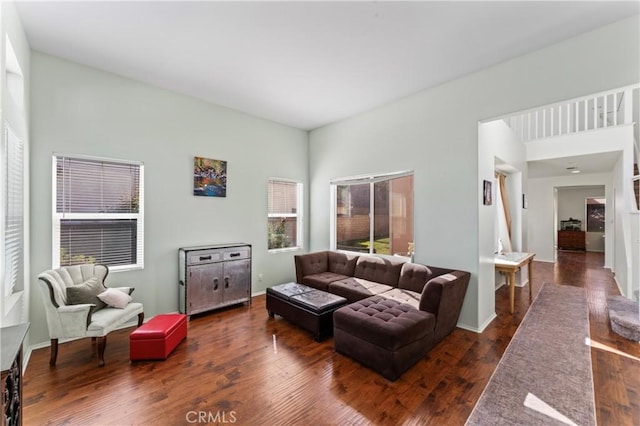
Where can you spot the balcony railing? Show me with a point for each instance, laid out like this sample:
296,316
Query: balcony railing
600,110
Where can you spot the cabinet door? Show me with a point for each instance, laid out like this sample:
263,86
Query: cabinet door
237,280
204,287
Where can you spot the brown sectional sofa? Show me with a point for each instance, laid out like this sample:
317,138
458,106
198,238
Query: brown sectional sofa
398,310
438,291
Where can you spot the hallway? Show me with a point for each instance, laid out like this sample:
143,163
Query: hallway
616,374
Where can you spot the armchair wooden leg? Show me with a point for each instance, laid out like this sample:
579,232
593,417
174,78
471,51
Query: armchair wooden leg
54,352
102,344
140,318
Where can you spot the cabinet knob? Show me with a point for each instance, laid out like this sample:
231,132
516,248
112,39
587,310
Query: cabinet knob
226,282
215,283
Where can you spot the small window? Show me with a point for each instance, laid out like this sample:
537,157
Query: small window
98,212
284,214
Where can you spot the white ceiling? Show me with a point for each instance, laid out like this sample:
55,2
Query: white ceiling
593,163
304,64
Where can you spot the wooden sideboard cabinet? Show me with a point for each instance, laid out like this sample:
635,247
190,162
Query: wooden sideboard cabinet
214,276
11,373
571,240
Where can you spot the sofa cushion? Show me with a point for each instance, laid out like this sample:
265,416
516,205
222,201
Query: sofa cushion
385,323
108,319
342,263
414,276
354,289
322,280
400,295
312,263
373,268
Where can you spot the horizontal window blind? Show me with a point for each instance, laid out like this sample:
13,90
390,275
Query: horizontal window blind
13,213
284,208
91,186
283,197
98,212
113,242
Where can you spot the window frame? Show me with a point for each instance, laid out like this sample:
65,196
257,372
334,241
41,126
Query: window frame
298,215
370,179
57,217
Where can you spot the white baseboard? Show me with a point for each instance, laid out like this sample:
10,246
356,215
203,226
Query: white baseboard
25,360
522,284
482,326
619,286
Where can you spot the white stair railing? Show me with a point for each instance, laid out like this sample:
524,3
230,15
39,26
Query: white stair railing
600,110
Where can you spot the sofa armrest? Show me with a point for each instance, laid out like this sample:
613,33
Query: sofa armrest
310,263
75,318
443,296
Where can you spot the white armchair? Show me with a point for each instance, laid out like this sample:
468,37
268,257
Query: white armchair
67,320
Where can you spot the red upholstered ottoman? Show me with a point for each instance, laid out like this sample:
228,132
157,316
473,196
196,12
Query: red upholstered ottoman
158,337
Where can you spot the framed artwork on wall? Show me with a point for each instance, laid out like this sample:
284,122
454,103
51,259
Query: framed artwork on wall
486,193
209,177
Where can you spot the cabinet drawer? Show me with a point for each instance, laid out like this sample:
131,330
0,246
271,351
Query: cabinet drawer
237,253
204,256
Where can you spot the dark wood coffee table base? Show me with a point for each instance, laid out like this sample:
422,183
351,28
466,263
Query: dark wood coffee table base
317,320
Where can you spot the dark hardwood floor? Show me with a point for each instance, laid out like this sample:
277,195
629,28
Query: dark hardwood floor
239,366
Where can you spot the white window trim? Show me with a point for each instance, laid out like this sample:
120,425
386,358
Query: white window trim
299,215
57,217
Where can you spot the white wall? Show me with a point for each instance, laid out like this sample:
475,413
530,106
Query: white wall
16,309
435,133
623,226
80,110
499,146
572,204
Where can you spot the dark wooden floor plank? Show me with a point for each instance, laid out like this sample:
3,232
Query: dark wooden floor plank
229,366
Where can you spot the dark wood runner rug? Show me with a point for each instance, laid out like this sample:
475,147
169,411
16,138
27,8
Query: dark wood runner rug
544,376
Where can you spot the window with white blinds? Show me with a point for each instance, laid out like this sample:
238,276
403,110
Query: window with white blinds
98,212
12,213
284,214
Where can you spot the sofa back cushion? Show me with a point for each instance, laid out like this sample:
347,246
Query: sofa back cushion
379,270
342,263
414,276
309,264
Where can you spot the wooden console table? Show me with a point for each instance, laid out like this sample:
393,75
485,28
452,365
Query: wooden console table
509,264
